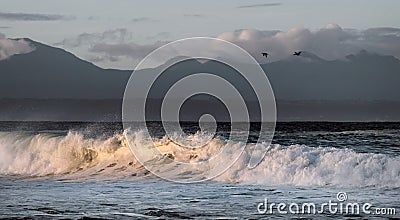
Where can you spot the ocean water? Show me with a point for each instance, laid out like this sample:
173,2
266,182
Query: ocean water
77,170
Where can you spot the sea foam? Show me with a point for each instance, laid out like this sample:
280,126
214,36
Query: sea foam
74,157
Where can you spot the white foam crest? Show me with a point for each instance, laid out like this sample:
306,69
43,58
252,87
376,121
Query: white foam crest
48,154
74,157
299,165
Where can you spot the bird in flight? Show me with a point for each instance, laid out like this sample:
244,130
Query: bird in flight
265,54
297,53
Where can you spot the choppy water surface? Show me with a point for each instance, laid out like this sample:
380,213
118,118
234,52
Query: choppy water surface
77,170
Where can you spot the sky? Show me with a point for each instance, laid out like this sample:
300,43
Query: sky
118,34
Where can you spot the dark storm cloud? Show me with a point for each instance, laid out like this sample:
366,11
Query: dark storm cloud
31,17
260,5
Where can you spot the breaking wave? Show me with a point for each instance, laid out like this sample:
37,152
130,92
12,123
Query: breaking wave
74,157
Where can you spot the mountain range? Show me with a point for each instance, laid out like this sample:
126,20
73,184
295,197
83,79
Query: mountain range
32,85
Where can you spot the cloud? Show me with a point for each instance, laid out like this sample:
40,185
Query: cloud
193,15
330,42
122,56
143,19
115,36
383,31
161,35
131,50
10,47
5,27
93,18
117,48
260,5
102,58
31,17
380,40
111,47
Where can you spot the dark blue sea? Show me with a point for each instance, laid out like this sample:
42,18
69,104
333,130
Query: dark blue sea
75,170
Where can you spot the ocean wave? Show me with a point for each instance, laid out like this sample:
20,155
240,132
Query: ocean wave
300,165
74,157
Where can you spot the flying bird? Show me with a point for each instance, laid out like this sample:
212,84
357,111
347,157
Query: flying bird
297,53
265,54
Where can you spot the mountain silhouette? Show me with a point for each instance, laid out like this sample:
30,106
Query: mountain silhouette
362,76
51,73
52,84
